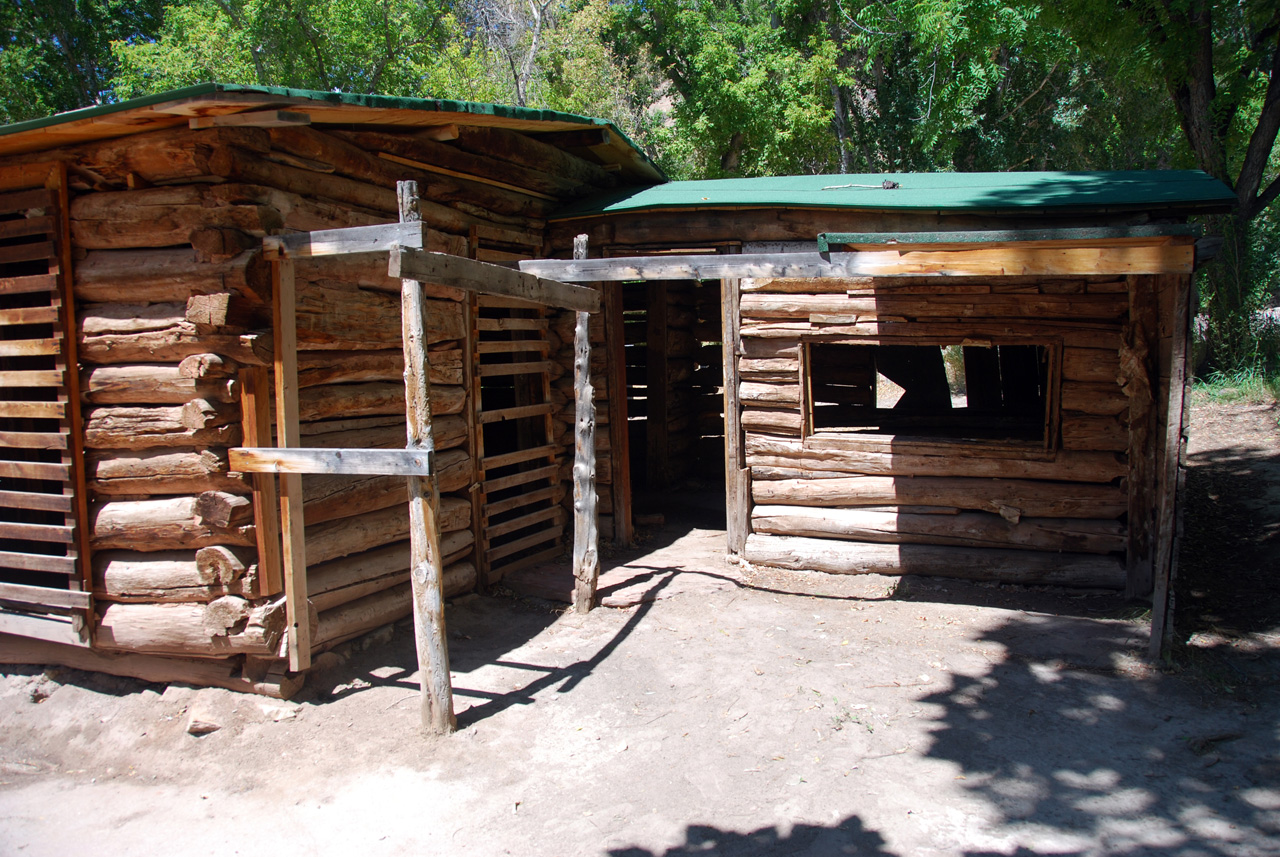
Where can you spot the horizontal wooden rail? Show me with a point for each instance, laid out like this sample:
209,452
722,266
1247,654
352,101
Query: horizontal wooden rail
337,242
43,596
977,262
472,276
344,462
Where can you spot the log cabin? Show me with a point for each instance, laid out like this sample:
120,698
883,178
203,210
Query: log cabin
970,375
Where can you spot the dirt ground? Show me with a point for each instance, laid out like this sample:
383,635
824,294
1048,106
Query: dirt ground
721,710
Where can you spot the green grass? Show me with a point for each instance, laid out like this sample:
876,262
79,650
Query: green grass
1247,387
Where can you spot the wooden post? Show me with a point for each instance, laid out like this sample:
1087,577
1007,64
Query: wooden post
586,557
657,438
427,571
736,483
293,553
1169,463
255,418
1139,361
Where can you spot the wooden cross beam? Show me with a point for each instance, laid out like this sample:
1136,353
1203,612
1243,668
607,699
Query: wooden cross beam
482,277
1158,258
341,462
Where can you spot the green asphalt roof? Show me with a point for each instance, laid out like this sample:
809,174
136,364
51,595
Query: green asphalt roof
1178,189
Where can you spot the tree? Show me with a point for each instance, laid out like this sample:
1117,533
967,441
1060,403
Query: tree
55,55
1218,64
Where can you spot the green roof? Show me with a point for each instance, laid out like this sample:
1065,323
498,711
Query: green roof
933,192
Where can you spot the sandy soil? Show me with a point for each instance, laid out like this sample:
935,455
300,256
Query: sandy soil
737,712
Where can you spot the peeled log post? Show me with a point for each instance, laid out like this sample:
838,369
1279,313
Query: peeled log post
427,572
586,557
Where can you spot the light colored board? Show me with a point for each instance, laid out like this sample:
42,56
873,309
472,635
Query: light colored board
351,462
43,596
484,278
1015,261
252,118
37,562
354,239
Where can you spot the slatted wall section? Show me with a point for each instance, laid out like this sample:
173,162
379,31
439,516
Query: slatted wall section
41,576
520,519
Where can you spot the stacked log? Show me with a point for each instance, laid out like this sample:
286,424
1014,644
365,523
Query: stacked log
174,300
1046,510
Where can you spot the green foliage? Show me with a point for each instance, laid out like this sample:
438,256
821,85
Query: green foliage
55,55
349,45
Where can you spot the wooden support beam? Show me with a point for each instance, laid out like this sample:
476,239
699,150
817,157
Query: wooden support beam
586,554
619,433
347,462
354,239
981,262
473,276
294,558
737,477
426,572
255,409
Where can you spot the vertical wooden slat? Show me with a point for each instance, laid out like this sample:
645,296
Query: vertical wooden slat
475,432
427,571
255,410
74,425
1170,463
586,554
294,555
736,483
619,436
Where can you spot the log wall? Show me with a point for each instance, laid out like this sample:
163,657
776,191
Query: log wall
174,304
1033,511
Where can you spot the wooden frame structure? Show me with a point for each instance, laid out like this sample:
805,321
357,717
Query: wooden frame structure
1151,260
413,265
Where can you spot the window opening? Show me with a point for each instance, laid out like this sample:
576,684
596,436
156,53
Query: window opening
984,392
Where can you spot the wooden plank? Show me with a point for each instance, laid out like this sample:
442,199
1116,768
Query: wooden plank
548,513
292,521
30,348
32,378
354,239
494,370
514,346
52,629
516,413
1091,236
737,478
27,252
32,440
23,200
36,532
495,461
503,551
29,315
34,470
1140,369
470,275
497,507
349,462
488,324
445,171
33,410
37,562
1013,261
29,284
502,482
255,420
43,596
427,568
35,500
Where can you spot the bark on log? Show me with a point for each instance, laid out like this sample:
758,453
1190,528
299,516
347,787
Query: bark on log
164,156
969,529
1009,498
134,226
355,270
1006,566
181,629
348,319
155,525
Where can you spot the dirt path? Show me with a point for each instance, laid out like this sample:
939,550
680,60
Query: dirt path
742,713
